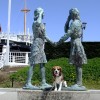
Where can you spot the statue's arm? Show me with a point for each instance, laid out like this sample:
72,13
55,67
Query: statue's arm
45,36
65,37
48,40
67,34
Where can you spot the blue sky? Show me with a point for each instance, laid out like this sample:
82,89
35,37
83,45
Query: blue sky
56,12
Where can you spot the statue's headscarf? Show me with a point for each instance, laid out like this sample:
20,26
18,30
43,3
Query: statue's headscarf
75,12
38,12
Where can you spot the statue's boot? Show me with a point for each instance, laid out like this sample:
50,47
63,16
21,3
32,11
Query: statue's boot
79,76
78,85
43,83
28,84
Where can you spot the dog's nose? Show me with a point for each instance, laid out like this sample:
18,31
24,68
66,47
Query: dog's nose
56,71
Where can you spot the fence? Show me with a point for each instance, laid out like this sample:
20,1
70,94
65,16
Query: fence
15,58
1,60
19,58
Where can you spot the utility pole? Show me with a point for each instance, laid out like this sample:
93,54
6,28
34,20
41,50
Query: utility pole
8,31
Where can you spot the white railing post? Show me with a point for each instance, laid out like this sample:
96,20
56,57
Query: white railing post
13,59
26,59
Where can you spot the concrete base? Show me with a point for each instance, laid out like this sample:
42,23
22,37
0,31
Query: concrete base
20,94
62,95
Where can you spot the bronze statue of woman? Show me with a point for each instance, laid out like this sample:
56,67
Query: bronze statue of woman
77,53
37,55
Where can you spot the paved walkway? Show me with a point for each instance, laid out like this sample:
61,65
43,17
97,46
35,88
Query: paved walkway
8,94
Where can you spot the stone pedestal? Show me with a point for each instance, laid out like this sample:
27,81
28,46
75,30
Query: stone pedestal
62,95
21,94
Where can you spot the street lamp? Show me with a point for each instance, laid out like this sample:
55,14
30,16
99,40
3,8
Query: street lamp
83,28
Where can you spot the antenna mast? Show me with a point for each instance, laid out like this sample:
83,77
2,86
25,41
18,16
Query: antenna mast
25,10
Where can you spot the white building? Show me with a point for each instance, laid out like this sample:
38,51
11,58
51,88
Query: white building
19,50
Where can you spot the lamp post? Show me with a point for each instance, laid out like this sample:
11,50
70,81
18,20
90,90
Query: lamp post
83,28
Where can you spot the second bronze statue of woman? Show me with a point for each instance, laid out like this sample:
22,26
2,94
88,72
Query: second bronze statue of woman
77,53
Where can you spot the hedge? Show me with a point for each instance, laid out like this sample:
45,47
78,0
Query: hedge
92,50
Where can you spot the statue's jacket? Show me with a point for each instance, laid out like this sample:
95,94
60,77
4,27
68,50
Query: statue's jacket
77,53
37,49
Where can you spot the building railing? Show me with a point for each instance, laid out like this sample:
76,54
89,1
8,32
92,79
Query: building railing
18,38
19,57
1,60
1,57
15,59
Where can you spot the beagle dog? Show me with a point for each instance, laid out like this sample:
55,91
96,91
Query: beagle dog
58,78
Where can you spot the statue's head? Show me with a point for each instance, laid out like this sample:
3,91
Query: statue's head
74,13
39,12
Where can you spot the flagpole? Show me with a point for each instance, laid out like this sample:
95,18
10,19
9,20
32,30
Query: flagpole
8,31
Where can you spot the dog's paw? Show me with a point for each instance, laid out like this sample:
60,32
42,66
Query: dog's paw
66,86
59,89
55,89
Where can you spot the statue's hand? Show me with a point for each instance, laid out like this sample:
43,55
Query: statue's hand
54,44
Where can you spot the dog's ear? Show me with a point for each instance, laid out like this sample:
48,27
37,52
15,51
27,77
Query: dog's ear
53,71
60,71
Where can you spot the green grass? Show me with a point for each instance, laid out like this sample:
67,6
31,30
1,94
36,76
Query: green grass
91,74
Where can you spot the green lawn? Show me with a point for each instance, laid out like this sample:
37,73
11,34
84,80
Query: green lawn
91,74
